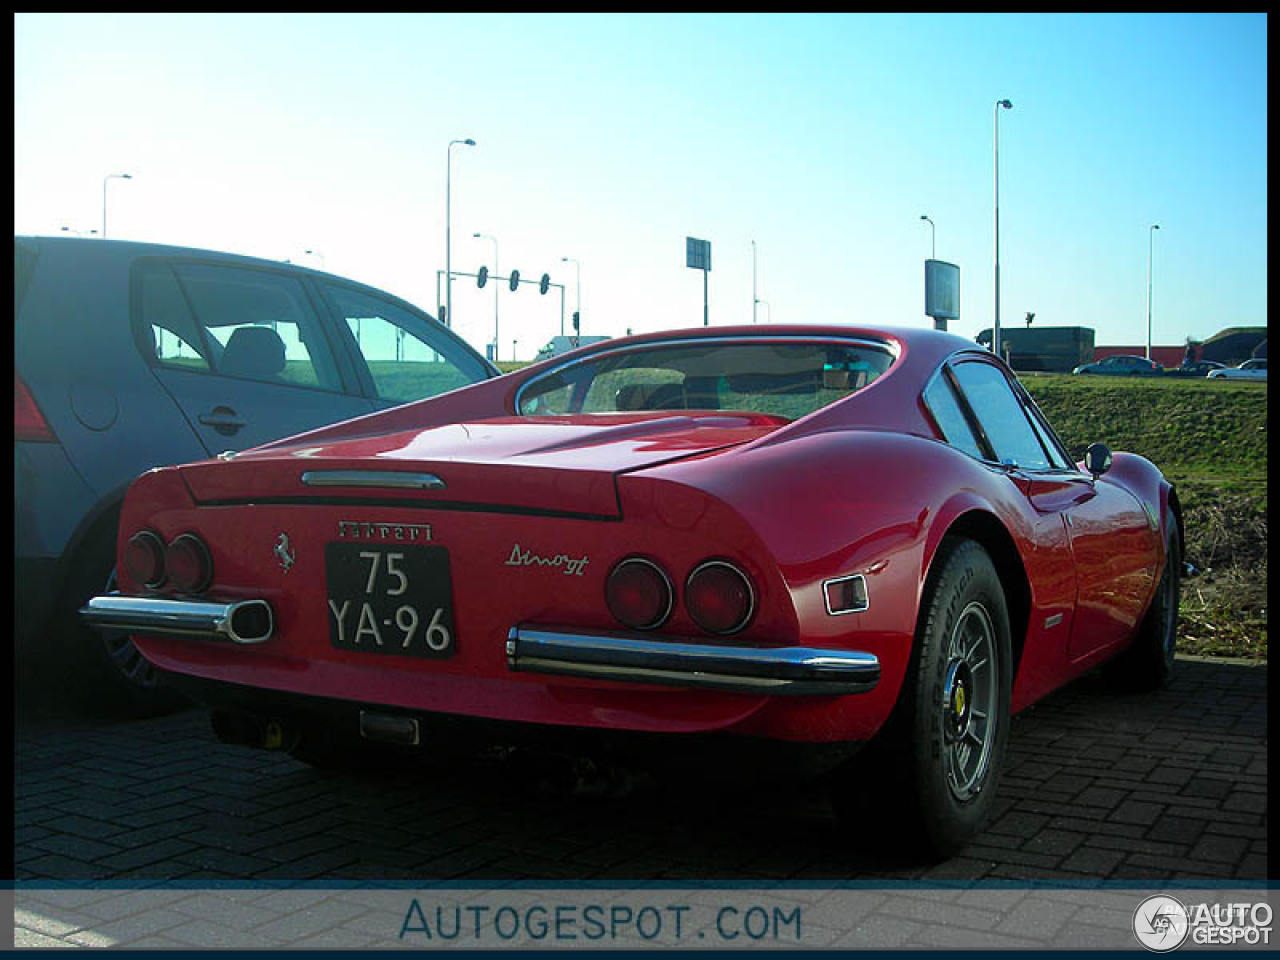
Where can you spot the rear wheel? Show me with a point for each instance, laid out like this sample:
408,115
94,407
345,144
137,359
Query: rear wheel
1148,663
929,778
104,670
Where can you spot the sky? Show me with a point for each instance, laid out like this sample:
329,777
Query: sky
609,139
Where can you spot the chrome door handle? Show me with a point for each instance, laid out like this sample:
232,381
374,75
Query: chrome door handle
223,419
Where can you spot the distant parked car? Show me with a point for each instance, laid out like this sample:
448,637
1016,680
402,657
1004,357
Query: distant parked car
1255,369
558,345
1199,368
1121,365
130,356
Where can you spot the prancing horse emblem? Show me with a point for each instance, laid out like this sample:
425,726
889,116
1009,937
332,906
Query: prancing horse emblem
283,553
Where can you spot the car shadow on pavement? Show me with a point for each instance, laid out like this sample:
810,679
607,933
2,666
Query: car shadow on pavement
1097,786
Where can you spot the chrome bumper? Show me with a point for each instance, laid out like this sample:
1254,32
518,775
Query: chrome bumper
244,621
767,670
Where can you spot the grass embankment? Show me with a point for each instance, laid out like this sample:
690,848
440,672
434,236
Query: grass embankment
1210,438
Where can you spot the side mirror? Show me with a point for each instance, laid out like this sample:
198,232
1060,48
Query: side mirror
1097,459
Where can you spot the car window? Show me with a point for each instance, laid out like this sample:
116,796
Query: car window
1001,415
940,397
407,358
259,325
168,332
1057,454
231,322
791,379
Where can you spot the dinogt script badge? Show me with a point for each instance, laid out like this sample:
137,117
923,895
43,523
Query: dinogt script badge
283,553
527,558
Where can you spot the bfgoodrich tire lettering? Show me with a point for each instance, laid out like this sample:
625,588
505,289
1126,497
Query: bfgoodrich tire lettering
931,774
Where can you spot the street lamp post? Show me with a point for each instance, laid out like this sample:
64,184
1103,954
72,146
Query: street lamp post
109,176
489,236
577,311
754,298
933,238
448,229
1151,233
995,330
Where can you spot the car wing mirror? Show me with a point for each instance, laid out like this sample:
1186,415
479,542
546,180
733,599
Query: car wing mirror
1097,459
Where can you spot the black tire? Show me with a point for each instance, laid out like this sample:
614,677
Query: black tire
920,779
103,671
1147,664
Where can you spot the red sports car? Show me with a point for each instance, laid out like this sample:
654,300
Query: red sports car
814,534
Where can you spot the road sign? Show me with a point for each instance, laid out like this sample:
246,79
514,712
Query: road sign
697,253
941,292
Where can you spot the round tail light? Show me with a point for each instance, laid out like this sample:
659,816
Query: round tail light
719,597
143,558
188,563
639,594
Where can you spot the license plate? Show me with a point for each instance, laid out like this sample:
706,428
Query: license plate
394,601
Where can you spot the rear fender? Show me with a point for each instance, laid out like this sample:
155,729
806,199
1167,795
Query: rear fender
150,496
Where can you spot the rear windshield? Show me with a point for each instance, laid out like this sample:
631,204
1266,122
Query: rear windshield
786,379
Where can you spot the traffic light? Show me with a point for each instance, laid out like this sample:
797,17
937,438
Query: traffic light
576,323
515,279
544,283
444,314
482,277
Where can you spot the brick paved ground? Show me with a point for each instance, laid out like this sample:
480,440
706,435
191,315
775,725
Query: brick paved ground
1171,786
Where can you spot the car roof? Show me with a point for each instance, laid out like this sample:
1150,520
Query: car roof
96,250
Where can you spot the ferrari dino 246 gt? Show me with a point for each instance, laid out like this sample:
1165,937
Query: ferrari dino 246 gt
814,534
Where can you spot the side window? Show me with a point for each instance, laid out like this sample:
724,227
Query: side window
167,332
256,325
1057,460
942,403
407,359
1002,418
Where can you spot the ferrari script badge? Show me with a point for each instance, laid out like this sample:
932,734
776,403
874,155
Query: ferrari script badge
283,553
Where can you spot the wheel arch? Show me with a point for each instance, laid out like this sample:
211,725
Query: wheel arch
985,528
1175,505
101,521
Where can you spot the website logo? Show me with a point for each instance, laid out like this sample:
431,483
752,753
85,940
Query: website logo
1160,923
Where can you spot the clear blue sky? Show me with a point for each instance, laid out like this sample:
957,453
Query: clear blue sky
612,138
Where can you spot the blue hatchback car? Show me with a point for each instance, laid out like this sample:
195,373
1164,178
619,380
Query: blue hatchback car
129,356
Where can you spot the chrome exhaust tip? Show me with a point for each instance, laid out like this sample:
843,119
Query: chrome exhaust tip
242,621
250,621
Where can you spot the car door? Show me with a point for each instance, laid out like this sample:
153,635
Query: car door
1111,535
398,353
242,351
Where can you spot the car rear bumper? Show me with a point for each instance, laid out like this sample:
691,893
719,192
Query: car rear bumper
796,671
763,670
